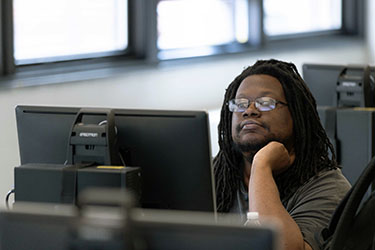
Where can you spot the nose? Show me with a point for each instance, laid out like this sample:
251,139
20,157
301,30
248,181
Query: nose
251,111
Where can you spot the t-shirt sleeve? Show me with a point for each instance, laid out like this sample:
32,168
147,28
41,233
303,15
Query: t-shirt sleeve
314,203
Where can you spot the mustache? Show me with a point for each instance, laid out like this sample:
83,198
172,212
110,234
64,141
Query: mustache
242,124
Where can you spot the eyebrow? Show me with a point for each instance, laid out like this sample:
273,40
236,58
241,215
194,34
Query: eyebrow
262,94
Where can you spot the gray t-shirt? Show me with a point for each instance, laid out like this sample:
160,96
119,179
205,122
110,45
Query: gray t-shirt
311,206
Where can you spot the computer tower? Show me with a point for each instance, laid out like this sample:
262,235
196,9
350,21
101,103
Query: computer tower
57,183
327,117
355,133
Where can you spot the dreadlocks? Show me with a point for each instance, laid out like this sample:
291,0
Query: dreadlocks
311,143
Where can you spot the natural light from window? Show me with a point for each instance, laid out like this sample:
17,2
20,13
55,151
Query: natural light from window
58,28
195,23
298,16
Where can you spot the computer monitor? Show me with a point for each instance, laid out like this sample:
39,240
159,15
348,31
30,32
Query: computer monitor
345,99
161,230
35,226
341,85
172,148
29,227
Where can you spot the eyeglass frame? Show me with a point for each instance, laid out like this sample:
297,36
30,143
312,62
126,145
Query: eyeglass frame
231,103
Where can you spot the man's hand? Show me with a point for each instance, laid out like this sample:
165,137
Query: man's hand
275,156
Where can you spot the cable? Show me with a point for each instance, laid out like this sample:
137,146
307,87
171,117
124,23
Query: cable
7,197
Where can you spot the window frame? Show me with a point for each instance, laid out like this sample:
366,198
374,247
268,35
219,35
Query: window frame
142,48
6,38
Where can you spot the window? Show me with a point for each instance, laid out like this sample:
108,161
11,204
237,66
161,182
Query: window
114,33
46,30
300,16
201,24
194,23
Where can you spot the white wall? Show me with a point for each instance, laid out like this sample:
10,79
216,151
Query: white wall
191,86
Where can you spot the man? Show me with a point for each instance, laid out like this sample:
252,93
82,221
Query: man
275,157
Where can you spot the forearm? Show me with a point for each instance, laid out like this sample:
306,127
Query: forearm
264,198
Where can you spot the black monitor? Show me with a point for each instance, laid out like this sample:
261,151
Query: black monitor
172,148
197,231
35,227
39,227
345,96
341,85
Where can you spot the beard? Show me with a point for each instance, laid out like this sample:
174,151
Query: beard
250,148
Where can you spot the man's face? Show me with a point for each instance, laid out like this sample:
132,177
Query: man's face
253,129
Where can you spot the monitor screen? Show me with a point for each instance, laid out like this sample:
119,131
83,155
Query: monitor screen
172,148
340,85
322,80
35,226
31,227
162,230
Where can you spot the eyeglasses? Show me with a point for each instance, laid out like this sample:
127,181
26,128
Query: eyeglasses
261,104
